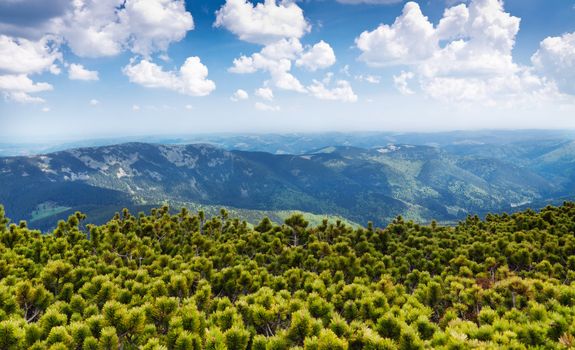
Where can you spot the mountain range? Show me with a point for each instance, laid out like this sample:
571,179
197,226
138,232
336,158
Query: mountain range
443,181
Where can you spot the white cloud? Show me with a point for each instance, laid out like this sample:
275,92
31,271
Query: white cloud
466,58
105,28
136,108
189,107
190,79
94,28
519,89
401,82
411,38
287,81
240,95
263,23
278,27
19,87
46,109
372,79
277,59
479,37
555,59
283,49
271,60
22,97
266,108
273,57
265,93
78,72
94,102
155,24
21,56
342,90
319,56
246,65
454,22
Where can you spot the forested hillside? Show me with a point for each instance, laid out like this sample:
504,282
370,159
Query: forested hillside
419,182
185,281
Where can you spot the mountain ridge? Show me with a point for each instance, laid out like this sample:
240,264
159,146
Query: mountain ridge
420,182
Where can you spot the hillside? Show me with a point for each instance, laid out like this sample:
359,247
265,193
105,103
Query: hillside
376,184
164,281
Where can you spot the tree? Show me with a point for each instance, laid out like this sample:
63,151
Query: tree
11,335
55,274
297,224
155,282
3,220
32,300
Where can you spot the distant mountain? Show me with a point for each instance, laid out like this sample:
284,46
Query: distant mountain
301,143
361,184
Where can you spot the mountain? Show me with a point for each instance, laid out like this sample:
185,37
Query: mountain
485,141
377,184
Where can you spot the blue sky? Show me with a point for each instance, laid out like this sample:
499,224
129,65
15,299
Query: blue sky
82,69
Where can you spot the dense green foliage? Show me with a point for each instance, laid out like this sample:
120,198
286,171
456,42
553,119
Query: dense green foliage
187,282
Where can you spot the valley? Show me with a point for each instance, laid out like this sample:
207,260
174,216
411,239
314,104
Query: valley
376,183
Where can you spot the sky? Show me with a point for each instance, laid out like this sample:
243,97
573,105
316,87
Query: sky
76,69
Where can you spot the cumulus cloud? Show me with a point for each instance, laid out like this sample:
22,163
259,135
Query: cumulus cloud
155,24
190,79
266,107
555,59
275,59
96,28
91,28
94,102
283,49
22,56
265,93
105,28
341,91
263,23
319,56
454,23
401,82
278,27
19,87
467,57
288,81
240,95
411,38
78,72
479,37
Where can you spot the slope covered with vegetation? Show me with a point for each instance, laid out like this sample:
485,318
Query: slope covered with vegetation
183,281
418,181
